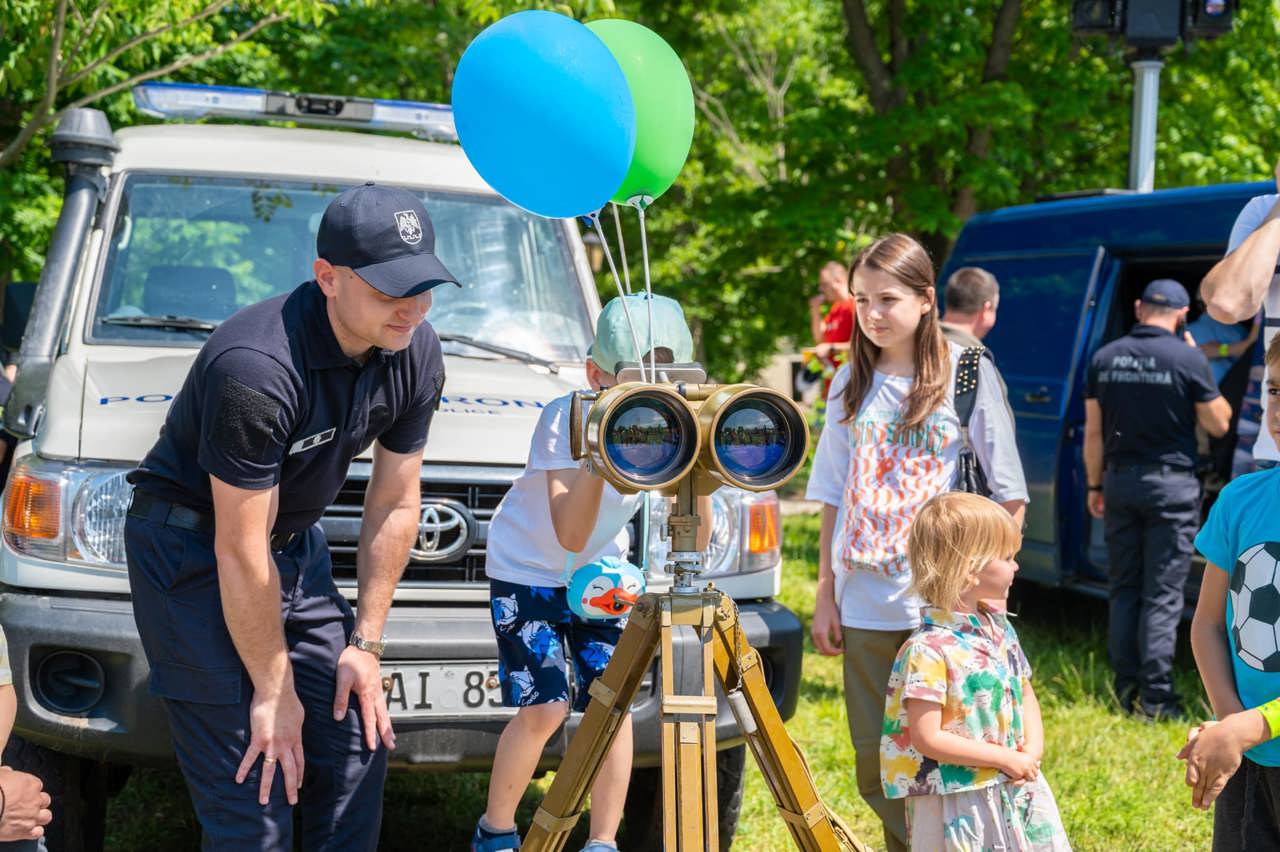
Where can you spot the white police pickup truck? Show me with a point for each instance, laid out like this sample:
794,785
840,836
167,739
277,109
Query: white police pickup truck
165,231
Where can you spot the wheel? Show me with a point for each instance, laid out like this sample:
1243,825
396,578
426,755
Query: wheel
79,789
642,814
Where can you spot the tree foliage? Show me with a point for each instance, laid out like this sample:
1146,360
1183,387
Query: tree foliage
821,124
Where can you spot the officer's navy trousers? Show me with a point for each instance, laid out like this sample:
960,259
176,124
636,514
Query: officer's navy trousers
207,692
1152,514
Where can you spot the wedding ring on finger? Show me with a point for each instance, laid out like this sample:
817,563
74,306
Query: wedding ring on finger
268,761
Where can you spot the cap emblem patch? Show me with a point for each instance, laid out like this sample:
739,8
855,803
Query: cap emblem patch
409,226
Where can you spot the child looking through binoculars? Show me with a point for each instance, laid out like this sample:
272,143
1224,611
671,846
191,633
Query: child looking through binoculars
559,515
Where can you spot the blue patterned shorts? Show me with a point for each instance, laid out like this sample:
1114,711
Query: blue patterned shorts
533,624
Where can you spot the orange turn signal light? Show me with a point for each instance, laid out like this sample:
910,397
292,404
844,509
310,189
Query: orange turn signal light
762,535
33,507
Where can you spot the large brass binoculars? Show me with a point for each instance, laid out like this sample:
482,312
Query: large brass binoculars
642,436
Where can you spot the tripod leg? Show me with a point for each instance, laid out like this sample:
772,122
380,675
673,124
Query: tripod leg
690,819
812,826
611,696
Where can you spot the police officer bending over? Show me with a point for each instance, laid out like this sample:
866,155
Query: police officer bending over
251,646
1146,392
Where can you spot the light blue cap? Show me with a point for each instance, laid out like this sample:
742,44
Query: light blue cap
614,343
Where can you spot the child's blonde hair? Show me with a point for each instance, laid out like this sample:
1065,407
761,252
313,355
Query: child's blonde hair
952,537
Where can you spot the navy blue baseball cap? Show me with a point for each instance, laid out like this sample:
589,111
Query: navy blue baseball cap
1166,293
384,234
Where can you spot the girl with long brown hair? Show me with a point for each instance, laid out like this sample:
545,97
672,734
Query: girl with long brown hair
891,442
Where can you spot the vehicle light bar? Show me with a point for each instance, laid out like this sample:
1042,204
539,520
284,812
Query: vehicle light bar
190,100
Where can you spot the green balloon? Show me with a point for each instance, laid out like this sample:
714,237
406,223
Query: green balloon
663,99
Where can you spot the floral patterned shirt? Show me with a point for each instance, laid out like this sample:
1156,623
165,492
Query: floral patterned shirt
976,670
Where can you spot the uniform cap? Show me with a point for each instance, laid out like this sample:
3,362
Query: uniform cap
1166,293
385,235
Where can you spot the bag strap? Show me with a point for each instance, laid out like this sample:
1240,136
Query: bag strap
966,386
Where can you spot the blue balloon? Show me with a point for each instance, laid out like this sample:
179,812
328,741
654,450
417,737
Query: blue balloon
544,113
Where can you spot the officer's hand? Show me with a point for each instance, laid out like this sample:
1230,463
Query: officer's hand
359,672
275,723
26,806
1097,504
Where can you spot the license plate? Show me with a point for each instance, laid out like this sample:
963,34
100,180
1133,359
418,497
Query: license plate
416,690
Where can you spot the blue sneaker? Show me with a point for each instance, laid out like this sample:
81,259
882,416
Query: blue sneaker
485,840
600,846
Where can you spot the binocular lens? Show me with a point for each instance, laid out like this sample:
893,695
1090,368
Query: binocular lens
648,440
755,441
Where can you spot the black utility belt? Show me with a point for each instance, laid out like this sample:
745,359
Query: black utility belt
1149,467
176,515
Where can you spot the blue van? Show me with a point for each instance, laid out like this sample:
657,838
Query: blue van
1070,269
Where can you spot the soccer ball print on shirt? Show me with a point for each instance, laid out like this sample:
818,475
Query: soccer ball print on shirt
1255,607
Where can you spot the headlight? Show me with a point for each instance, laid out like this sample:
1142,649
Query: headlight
98,518
745,533
67,513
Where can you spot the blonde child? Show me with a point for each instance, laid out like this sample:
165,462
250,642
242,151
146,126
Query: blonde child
891,441
962,732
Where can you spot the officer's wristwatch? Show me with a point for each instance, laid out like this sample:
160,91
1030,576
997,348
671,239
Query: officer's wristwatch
363,644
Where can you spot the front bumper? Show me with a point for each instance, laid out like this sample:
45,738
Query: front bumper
127,724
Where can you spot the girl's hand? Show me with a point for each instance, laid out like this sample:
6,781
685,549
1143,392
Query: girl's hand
1020,766
1037,753
828,637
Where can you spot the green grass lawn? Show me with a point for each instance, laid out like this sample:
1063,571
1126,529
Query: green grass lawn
1115,778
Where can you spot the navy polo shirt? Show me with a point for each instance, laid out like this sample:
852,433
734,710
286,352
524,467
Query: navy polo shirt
273,400
1147,384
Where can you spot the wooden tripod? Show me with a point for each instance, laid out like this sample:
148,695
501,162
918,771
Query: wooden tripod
709,620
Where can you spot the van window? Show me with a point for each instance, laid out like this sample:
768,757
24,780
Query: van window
204,247
1041,303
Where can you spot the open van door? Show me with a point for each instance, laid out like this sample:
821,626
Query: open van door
1046,302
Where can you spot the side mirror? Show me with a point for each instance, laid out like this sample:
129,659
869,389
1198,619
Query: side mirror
18,298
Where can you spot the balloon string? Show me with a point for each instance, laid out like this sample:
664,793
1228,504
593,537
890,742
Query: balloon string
648,288
622,247
635,335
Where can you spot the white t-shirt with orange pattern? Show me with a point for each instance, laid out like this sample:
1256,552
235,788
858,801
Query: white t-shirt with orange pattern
878,475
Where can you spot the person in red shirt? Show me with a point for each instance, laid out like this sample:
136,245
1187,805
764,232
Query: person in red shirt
833,331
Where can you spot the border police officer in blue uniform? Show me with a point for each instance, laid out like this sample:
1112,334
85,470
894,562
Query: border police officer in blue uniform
1146,393
251,646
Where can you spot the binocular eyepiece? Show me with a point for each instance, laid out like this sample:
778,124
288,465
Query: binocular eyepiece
642,436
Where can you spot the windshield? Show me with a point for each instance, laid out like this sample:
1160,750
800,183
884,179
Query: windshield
201,248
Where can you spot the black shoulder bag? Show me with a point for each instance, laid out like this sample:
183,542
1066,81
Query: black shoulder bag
969,474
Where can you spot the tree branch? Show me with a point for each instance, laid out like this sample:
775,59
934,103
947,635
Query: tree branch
208,11
1001,48
40,115
997,65
713,110
86,32
899,48
861,44
176,64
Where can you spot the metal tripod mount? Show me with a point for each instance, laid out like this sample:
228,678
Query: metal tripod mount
708,620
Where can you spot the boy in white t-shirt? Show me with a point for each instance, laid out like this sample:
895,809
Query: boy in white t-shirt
559,507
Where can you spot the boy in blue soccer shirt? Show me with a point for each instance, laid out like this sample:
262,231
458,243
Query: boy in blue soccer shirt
1233,635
